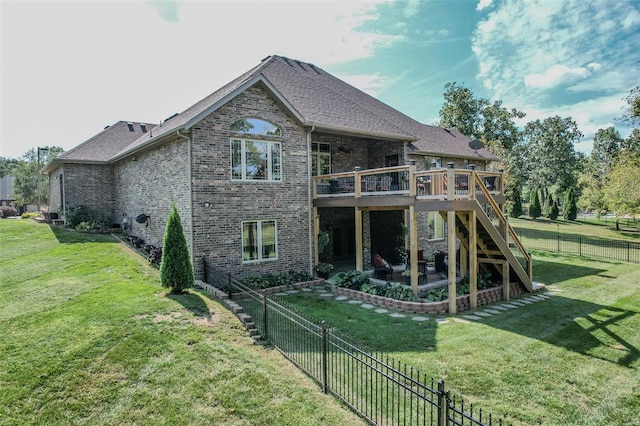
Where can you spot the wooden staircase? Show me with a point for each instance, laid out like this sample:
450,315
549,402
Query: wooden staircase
497,243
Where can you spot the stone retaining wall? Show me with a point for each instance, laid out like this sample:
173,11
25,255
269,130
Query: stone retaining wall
485,297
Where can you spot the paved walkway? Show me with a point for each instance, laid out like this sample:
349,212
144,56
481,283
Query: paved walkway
480,313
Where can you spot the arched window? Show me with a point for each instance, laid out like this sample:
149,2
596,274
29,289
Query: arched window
255,126
255,158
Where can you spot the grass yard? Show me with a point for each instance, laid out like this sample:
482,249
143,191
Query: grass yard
90,337
591,227
571,360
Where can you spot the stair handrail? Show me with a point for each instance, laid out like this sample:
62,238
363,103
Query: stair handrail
503,220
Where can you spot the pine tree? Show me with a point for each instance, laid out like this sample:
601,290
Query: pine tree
176,270
516,210
570,210
535,210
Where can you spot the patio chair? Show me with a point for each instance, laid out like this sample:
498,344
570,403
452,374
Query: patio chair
385,183
381,267
370,184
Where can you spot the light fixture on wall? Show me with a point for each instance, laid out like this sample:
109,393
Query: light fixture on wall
343,148
207,204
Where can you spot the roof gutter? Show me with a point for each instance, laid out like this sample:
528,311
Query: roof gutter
491,157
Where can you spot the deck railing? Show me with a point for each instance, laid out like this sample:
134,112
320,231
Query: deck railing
386,181
403,180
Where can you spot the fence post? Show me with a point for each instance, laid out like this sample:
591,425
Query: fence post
558,243
324,357
628,251
580,245
229,285
264,315
204,264
442,404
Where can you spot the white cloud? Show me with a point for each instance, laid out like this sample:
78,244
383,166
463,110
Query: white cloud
483,4
368,83
525,46
412,8
556,75
590,115
83,65
631,20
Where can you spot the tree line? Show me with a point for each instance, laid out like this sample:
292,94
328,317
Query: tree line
540,160
26,176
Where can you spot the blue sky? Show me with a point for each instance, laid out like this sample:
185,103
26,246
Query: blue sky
68,69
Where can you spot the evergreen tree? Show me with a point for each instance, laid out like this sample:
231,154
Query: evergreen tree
548,205
516,209
175,270
555,211
535,210
570,208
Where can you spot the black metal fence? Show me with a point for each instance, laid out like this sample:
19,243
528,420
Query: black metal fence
380,389
623,251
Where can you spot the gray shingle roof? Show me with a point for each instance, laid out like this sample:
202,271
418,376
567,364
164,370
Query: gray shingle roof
102,147
318,99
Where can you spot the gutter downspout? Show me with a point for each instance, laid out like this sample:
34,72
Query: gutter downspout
309,200
190,195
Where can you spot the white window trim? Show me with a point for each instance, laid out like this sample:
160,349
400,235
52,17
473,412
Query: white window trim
436,221
317,154
243,160
259,240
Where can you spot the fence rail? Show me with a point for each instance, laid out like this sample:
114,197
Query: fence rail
380,389
623,251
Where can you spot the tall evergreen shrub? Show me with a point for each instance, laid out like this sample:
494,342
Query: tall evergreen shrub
570,208
535,210
176,270
516,209
548,205
555,211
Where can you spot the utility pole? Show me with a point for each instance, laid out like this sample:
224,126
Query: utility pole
40,176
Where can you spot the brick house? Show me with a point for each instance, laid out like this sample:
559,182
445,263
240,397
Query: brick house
259,167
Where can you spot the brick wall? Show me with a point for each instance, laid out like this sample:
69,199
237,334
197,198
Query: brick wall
149,183
217,229
88,185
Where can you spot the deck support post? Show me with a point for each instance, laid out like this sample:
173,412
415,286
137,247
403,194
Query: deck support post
359,243
473,260
451,240
506,285
316,232
413,244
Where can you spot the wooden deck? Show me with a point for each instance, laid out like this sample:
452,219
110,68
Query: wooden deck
470,201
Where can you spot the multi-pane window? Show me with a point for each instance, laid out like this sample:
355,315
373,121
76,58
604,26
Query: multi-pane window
259,241
320,158
435,222
256,160
429,162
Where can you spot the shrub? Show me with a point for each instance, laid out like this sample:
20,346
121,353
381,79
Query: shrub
399,291
275,280
28,215
351,279
370,288
535,210
570,208
7,211
516,208
176,271
90,218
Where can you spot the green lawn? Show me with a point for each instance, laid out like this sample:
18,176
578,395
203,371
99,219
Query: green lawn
591,227
569,360
90,337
